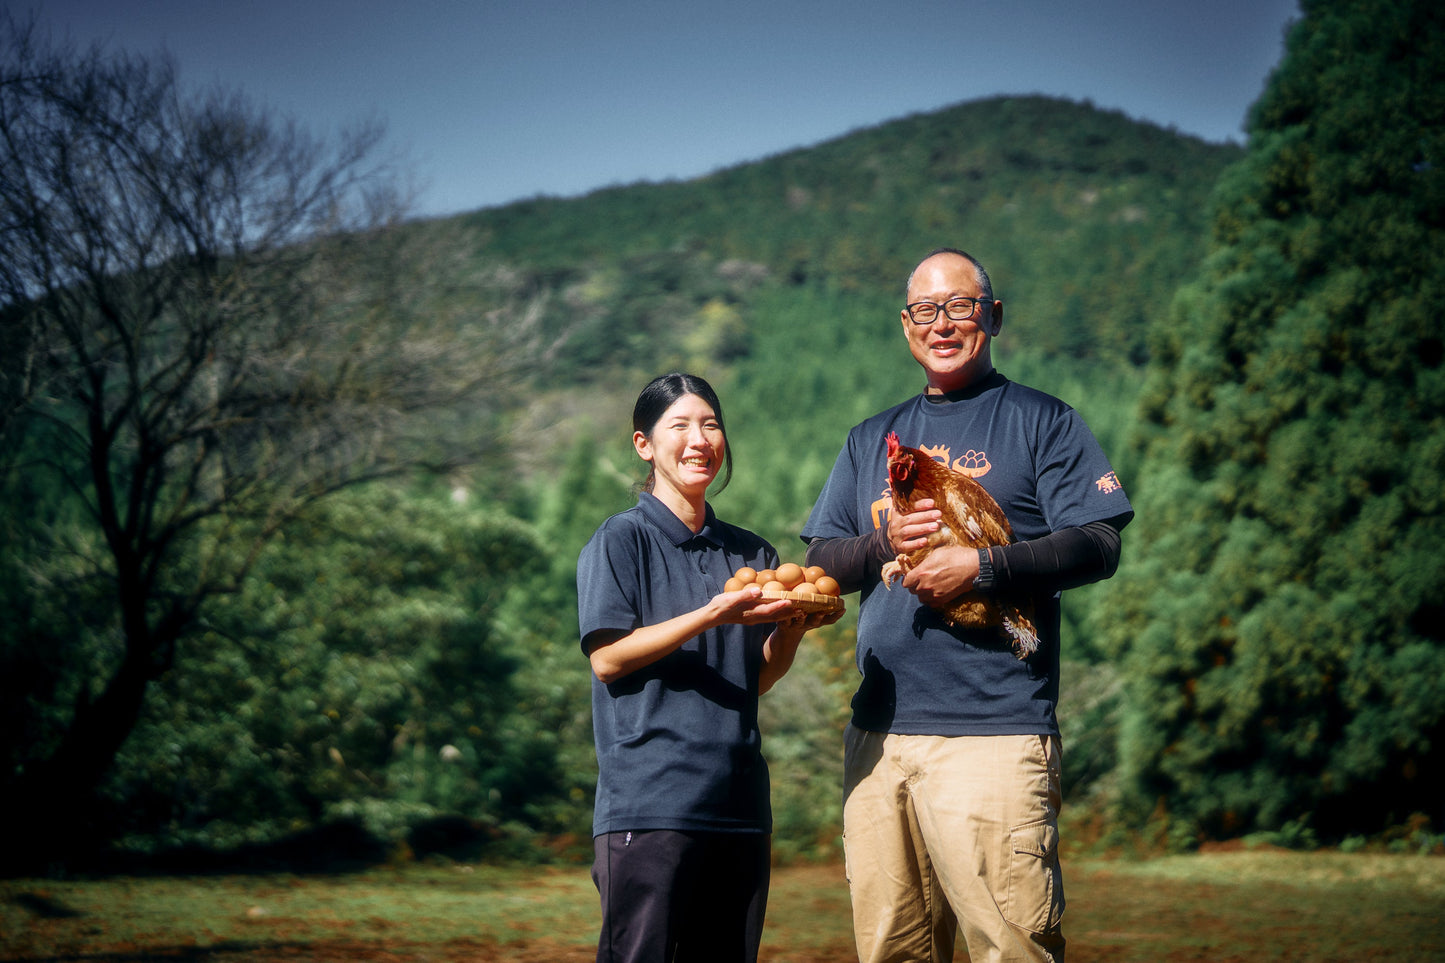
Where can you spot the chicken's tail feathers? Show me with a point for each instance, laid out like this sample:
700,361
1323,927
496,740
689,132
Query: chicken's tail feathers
1021,630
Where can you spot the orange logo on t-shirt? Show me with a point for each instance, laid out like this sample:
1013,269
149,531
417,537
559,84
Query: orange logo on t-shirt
973,463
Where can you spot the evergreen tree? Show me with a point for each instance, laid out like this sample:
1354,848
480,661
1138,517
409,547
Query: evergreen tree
1280,609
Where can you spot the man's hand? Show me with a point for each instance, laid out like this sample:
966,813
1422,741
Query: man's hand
909,531
944,574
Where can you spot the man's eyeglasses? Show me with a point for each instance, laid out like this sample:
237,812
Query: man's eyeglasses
957,309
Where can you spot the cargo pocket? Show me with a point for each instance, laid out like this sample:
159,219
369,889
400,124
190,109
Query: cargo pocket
1035,899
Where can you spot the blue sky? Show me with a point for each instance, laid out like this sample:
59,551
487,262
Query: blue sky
491,101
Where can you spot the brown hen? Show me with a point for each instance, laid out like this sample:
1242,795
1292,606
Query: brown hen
970,518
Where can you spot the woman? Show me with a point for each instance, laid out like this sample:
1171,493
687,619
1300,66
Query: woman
682,821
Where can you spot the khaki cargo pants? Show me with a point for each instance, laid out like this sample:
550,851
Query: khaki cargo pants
944,834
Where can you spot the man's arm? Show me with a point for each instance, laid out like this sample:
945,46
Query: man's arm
1060,560
850,560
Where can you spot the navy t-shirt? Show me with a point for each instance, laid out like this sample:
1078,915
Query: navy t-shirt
678,745
1043,466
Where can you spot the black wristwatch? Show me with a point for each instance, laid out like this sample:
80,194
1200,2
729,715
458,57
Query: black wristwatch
984,581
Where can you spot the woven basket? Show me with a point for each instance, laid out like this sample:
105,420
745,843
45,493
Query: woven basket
807,601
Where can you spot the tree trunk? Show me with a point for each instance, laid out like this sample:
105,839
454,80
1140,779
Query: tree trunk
55,812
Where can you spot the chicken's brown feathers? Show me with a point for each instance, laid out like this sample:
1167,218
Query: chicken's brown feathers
971,518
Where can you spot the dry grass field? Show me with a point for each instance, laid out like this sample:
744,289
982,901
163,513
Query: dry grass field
1244,905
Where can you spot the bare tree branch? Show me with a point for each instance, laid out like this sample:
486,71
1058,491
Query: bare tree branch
210,321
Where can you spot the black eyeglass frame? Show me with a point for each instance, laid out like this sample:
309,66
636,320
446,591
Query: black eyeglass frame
973,309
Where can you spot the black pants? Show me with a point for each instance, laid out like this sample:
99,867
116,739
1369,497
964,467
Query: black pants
673,897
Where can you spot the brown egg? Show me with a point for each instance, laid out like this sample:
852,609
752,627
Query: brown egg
790,574
766,575
812,573
805,588
746,574
774,586
828,585
733,584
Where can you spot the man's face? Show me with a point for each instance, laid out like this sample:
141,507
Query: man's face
953,353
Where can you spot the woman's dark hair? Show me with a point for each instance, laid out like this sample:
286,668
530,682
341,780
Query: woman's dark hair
659,396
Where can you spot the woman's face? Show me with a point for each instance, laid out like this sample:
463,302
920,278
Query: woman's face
685,447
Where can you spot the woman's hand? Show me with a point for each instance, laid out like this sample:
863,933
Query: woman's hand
807,621
617,654
782,645
751,609
747,606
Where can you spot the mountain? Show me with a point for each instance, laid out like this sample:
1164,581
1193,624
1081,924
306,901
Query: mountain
1087,220
781,279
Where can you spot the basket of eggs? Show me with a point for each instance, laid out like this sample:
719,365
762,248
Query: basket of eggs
809,589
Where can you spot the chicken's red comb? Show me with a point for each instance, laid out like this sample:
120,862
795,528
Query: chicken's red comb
893,444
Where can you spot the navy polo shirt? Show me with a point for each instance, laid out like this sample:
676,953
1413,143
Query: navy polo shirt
678,745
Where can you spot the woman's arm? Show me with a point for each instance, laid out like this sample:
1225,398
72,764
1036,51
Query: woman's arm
617,654
782,645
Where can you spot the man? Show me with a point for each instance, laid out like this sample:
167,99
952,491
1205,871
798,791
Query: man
952,758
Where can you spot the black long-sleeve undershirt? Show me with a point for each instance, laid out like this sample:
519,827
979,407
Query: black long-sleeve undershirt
1060,560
